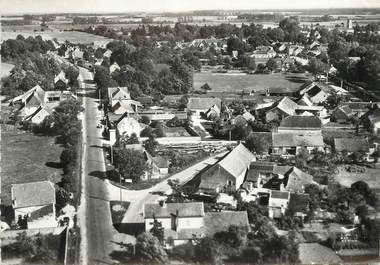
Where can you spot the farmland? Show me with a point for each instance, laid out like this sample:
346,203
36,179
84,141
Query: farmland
26,158
238,81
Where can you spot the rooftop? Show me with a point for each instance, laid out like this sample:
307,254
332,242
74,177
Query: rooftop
299,121
190,209
354,144
33,194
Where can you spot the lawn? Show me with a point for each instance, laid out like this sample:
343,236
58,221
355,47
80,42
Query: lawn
26,158
235,82
370,176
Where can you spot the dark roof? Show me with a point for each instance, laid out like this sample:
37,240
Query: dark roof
190,209
304,122
258,167
220,221
297,180
279,194
33,194
355,144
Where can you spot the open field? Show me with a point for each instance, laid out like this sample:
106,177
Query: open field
5,68
25,158
370,176
237,82
62,36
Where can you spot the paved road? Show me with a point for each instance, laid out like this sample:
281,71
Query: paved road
95,221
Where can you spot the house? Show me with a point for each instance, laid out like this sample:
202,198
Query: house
30,101
158,167
125,106
113,67
342,114
60,81
294,50
199,106
263,52
118,93
107,53
39,115
186,222
352,145
260,172
248,116
269,175
228,174
281,109
300,124
292,143
316,92
278,203
213,112
34,204
128,125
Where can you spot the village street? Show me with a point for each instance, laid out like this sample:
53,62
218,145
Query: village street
99,237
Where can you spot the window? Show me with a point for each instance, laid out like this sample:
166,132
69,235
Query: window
229,182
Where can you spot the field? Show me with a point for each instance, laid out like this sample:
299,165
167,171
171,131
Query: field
62,36
25,158
5,68
239,81
370,176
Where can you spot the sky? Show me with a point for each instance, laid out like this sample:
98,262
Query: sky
63,6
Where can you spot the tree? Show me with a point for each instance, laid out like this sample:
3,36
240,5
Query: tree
205,87
257,143
149,248
150,145
207,250
157,230
130,163
271,64
235,44
316,66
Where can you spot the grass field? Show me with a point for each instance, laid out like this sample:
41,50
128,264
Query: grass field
237,82
25,158
71,36
370,176
5,68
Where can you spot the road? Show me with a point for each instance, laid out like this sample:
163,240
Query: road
97,232
137,199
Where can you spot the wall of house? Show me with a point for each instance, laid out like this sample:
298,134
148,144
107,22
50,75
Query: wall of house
183,223
278,202
45,221
299,130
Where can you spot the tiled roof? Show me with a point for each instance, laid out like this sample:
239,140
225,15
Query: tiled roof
237,160
220,221
287,105
33,194
297,180
190,209
304,122
279,194
355,144
203,103
290,139
310,253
